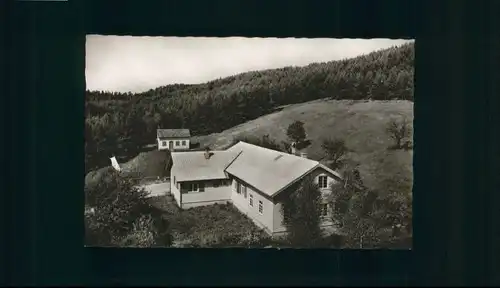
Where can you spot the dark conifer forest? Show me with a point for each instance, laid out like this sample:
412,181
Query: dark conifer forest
128,121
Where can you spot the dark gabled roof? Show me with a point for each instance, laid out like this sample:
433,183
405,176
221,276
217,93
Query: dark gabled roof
173,133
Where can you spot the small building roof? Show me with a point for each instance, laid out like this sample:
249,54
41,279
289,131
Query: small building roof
193,166
173,133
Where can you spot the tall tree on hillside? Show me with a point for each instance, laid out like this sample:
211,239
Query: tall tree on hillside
301,214
400,132
335,150
296,132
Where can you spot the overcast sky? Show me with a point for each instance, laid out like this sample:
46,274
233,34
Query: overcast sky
127,63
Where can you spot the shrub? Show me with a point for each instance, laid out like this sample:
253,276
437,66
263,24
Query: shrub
120,211
400,132
335,150
296,133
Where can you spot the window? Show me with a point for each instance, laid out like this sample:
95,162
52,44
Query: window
250,202
323,210
183,142
177,143
261,207
195,187
238,188
244,191
323,181
163,143
174,180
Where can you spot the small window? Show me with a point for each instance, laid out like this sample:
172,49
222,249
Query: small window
323,181
250,201
323,210
261,207
194,187
217,183
183,142
177,143
174,180
244,191
163,143
238,188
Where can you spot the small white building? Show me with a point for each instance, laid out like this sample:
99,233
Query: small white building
173,139
251,177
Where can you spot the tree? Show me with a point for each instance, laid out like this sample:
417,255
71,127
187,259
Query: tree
366,217
296,132
301,214
354,214
335,152
400,132
115,206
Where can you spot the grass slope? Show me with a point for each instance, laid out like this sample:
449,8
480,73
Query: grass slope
149,164
361,123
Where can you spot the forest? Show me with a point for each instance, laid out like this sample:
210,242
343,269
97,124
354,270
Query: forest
127,121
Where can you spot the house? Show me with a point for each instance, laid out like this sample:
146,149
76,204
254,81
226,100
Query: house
254,179
173,139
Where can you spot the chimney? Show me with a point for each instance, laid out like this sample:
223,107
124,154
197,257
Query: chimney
207,153
293,150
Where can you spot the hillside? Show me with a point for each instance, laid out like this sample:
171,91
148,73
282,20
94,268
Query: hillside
130,120
149,164
361,124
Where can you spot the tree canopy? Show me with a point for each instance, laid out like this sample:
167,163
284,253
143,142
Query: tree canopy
301,214
117,214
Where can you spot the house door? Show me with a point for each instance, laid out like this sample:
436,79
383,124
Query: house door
170,145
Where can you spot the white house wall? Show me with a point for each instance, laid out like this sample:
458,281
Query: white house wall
180,146
175,189
264,220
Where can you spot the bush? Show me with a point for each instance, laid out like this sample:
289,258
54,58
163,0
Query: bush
296,133
143,233
400,132
121,212
335,150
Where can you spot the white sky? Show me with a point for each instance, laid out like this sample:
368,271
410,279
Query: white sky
128,63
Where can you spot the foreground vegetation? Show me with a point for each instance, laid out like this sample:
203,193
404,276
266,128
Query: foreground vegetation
219,225
113,119
118,214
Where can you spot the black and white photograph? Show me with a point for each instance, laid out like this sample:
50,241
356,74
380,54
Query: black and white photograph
207,142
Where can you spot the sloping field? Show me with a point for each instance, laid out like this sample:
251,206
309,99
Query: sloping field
146,165
362,124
